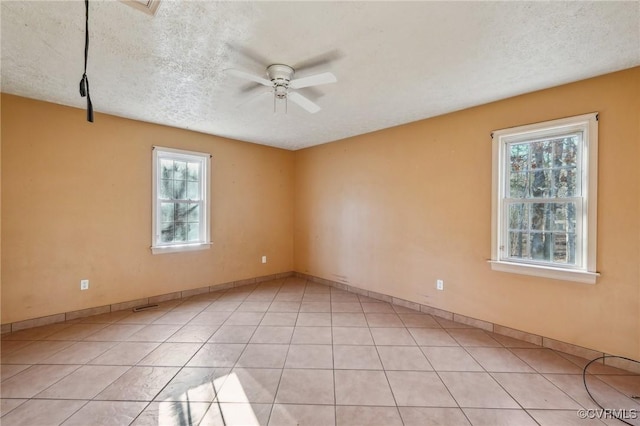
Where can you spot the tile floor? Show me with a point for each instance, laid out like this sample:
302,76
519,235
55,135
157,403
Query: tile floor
290,352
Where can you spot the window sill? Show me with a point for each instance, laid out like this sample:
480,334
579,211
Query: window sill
179,248
545,271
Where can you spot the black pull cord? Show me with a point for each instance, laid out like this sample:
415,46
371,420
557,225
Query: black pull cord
84,82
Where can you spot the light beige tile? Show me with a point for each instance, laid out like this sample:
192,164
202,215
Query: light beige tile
142,317
36,333
629,385
298,414
380,296
493,417
473,337
362,387
250,385
476,390
79,353
263,356
106,413
403,358
352,336
392,337
450,359
84,383
623,364
418,320
244,318
82,313
10,370
218,318
432,337
474,322
9,346
193,334
367,416
356,358
280,318
8,405
114,333
272,335
353,307
217,355
177,318
311,306
517,334
41,412
223,306
448,322
154,333
384,320
570,349
309,356
561,417
306,386
171,354
316,297
313,319
34,380
534,391
76,332
233,334
419,389
106,318
237,414
138,384
573,385
510,342
344,297
348,319
248,306
165,297
286,302
172,413
499,360
35,352
129,305
382,308
420,416
38,322
546,361
311,336
126,353
197,384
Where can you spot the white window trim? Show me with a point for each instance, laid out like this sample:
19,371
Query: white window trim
585,273
176,248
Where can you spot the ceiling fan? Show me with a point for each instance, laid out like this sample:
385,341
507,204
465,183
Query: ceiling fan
282,85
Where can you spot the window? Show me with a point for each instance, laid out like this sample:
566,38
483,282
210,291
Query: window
180,200
544,199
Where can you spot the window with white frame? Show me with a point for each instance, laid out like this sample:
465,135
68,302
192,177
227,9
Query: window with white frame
544,199
180,200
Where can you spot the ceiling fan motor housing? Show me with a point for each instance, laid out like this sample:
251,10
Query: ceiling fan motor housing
280,75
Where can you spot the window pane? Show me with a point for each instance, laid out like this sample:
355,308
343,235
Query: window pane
179,170
181,212
519,245
518,184
560,247
166,189
193,171
541,246
566,150
179,189
194,213
166,235
193,190
166,169
519,216
541,182
194,231
166,212
519,157
180,232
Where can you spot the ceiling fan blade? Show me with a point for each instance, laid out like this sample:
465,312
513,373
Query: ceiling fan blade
319,60
252,98
313,80
303,102
248,76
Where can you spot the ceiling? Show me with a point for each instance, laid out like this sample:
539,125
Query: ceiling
396,62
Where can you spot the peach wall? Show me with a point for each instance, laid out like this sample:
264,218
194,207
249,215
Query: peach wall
394,210
76,203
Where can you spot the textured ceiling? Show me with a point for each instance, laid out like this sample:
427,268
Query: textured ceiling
395,62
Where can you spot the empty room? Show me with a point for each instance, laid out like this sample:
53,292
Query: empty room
320,213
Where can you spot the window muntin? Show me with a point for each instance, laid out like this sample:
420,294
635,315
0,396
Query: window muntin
180,194
544,198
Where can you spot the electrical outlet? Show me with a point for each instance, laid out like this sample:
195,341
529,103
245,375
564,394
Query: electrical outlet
439,284
264,259
84,284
